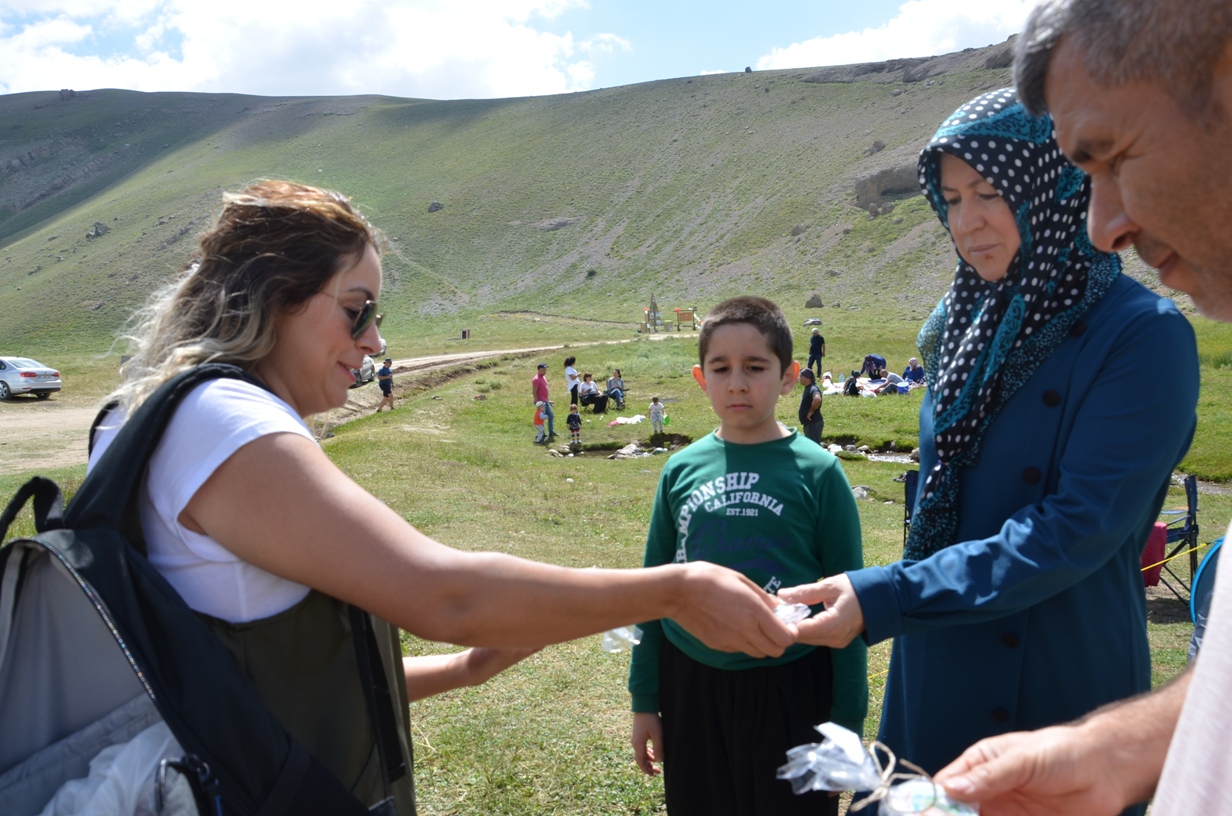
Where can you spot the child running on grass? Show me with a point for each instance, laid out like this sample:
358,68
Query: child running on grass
763,500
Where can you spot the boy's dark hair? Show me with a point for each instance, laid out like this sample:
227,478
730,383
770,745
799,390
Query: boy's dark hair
758,312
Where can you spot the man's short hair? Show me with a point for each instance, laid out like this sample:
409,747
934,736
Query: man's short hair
808,372
758,312
1174,45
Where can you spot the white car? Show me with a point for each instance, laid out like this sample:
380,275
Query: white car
366,372
21,375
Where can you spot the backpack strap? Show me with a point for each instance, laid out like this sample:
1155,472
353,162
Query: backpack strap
109,495
48,506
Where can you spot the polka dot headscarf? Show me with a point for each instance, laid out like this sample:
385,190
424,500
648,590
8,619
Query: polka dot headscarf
984,340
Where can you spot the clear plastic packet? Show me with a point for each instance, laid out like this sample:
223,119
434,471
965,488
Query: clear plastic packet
621,638
841,762
792,613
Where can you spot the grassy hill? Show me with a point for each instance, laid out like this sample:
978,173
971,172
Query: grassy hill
582,204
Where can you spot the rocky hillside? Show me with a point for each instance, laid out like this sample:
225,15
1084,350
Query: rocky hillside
793,183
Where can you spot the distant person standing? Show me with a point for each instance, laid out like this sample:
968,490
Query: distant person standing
572,381
811,421
539,393
575,425
541,435
817,350
385,379
657,412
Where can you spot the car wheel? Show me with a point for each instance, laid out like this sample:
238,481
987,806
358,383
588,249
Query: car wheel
43,394
5,393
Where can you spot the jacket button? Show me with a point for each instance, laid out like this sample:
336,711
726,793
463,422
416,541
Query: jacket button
1000,715
1010,639
1078,329
1052,399
1032,475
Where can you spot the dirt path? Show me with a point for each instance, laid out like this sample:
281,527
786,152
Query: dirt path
43,434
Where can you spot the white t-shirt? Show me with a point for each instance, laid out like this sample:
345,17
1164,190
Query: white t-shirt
586,387
1196,773
571,377
214,421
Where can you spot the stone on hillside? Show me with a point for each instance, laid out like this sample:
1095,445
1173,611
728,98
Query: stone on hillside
876,147
834,448
860,493
798,229
97,231
915,454
834,273
900,180
553,224
435,206
814,302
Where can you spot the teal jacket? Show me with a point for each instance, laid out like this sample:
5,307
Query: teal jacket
1037,616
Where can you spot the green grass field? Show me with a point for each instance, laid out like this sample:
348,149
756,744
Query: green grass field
550,735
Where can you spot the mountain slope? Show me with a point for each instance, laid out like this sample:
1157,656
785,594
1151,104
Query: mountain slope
690,188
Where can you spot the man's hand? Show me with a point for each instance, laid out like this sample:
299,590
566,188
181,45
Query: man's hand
647,742
841,622
1051,772
729,613
1099,765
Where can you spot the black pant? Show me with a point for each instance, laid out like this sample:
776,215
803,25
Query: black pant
597,400
812,430
725,733
815,358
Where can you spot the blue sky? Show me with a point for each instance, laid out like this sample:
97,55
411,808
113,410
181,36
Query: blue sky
452,49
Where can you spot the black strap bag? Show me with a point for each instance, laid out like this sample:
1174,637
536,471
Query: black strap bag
95,646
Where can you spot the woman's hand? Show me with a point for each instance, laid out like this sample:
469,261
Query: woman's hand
841,622
647,742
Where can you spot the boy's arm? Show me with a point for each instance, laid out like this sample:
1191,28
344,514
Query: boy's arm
841,550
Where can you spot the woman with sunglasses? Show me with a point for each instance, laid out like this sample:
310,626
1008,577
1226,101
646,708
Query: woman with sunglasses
255,527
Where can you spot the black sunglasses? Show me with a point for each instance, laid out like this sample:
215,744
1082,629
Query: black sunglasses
366,317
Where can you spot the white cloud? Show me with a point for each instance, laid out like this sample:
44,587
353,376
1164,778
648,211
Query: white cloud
425,48
921,28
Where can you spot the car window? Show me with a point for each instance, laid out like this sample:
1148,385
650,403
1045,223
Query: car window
25,362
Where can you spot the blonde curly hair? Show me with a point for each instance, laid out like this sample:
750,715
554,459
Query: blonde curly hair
273,246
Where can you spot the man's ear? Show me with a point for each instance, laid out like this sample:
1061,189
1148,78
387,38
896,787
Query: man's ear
699,376
790,376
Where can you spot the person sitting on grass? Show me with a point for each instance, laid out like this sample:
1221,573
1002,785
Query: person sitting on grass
890,382
775,505
574,421
914,373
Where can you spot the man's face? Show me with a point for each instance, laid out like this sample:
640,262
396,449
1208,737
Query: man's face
1160,180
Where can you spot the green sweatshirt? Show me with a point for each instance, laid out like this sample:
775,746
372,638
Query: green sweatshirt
781,513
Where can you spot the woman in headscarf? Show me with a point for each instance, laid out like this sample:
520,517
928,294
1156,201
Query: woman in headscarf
1018,602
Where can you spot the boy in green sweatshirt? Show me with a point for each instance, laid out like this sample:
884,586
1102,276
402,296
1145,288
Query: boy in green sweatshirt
761,499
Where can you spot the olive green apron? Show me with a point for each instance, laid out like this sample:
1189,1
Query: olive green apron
303,663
